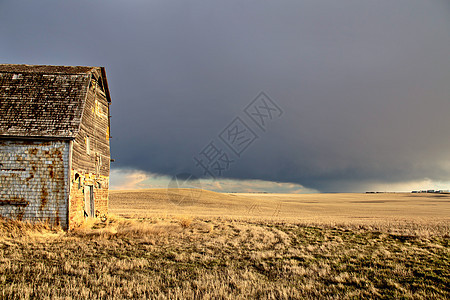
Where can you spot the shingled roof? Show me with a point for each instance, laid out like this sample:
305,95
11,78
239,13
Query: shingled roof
43,101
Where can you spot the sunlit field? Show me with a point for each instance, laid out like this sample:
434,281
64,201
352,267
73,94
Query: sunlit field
186,244
388,211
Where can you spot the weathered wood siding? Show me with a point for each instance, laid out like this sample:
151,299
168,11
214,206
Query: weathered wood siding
34,178
91,166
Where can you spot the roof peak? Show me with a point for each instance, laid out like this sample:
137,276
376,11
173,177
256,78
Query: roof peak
48,69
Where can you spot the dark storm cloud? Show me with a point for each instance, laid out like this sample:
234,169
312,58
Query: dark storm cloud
364,85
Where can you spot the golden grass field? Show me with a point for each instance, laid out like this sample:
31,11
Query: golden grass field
190,245
389,210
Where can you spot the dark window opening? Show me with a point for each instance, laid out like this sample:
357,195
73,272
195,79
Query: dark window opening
78,180
100,84
97,83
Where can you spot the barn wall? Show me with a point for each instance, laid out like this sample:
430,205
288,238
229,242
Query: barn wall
34,180
78,181
91,168
95,126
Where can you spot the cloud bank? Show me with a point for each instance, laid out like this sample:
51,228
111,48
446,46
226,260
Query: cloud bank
127,179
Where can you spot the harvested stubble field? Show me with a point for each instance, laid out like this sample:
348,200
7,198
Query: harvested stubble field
224,246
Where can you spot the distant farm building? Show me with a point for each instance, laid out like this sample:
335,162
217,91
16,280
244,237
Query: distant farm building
54,143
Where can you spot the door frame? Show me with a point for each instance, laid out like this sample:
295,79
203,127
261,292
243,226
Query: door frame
89,202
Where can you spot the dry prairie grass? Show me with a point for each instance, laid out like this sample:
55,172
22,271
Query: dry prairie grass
170,256
359,209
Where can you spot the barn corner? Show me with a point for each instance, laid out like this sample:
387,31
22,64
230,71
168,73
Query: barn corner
54,143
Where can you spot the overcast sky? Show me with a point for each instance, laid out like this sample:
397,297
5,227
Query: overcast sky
361,89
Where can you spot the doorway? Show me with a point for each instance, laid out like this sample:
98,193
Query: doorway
89,203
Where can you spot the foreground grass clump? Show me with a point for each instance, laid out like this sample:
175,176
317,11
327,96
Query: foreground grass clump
185,257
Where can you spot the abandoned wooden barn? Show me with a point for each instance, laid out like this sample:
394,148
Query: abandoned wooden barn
54,143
